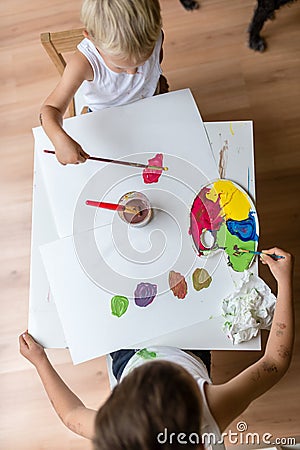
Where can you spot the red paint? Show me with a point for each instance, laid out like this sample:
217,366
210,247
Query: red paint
205,215
152,175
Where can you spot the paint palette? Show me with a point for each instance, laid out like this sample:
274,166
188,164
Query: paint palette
224,217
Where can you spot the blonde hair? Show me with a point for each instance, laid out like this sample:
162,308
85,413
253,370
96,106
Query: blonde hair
124,28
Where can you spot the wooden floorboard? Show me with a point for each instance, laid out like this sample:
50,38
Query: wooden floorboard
205,51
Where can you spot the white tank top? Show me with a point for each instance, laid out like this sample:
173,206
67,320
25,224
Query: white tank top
109,88
209,427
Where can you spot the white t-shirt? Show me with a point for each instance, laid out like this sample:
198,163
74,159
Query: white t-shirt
209,428
109,88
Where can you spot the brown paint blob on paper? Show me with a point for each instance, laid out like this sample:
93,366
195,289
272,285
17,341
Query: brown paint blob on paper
201,279
177,284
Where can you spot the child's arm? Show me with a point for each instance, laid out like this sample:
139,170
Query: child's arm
67,405
67,150
230,399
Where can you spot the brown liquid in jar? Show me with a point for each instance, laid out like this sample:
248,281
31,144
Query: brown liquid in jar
140,216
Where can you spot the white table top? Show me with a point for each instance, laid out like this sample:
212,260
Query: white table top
235,142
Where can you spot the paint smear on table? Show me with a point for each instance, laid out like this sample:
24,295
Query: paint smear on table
146,354
177,284
49,295
144,294
226,211
152,175
223,158
119,305
201,279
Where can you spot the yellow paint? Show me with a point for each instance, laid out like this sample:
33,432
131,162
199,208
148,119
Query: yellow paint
233,202
231,129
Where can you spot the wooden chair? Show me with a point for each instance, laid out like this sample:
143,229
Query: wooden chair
56,45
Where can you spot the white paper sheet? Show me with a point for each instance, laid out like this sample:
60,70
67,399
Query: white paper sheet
84,308
167,124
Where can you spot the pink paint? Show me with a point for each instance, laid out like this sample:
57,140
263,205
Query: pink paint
205,215
152,175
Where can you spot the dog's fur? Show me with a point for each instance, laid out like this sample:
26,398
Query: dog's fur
189,4
264,10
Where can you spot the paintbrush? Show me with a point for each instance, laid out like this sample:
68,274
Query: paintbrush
241,250
213,249
114,207
117,161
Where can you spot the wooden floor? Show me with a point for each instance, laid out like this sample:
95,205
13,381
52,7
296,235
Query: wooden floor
206,51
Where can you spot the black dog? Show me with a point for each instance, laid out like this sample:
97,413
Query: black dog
265,10
189,4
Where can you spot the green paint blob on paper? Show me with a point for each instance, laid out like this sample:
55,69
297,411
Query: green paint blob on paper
119,305
239,262
201,279
145,354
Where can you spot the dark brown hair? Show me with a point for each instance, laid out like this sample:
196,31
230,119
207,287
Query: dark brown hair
156,396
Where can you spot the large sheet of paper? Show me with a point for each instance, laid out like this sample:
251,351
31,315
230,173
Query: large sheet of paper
169,124
85,307
104,257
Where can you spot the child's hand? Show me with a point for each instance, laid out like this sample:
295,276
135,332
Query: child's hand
69,151
30,349
281,269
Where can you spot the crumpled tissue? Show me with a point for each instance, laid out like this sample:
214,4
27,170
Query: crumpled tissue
248,309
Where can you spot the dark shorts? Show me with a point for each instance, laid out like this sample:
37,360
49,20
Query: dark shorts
121,357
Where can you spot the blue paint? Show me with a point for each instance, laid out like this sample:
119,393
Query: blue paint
243,229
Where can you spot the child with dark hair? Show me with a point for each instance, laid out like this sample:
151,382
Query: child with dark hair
165,398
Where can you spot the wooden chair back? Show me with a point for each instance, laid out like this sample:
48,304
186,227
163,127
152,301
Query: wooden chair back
56,45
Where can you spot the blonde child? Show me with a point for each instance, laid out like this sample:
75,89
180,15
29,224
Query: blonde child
118,62
165,397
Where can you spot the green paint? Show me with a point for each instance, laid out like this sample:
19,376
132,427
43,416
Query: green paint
145,354
201,279
242,261
119,305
